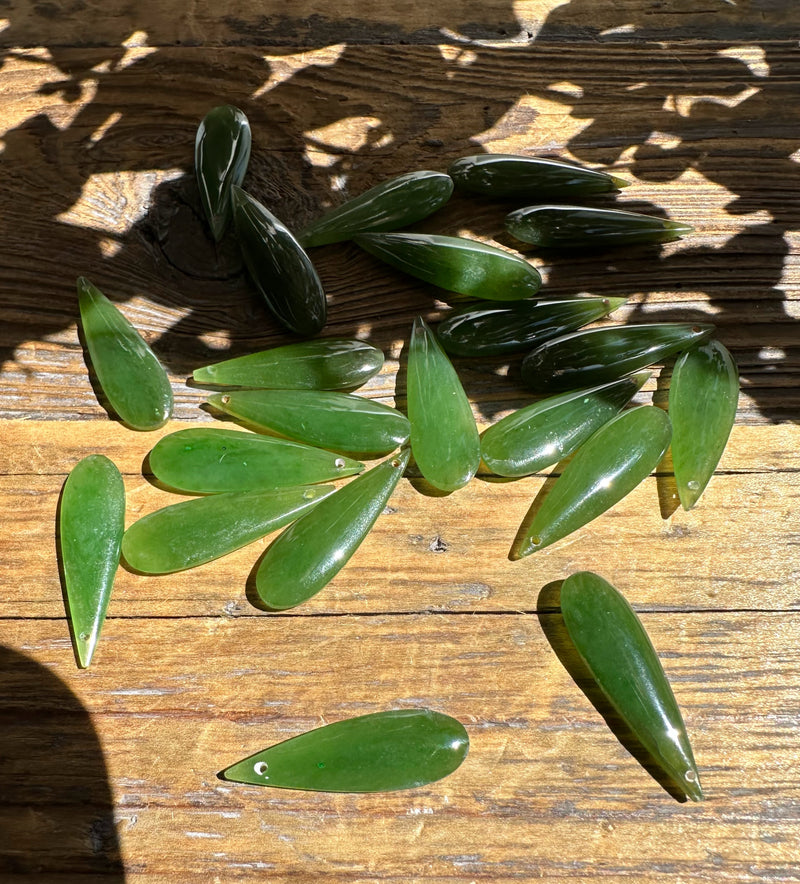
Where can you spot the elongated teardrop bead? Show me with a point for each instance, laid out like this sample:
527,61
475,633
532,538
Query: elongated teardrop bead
91,522
444,437
397,203
598,355
221,154
196,531
382,752
209,461
340,422
312,551
507,175
328,364
132,379
278,266
703,395
613,643
559,227
542,434
492,328
456,264
607,467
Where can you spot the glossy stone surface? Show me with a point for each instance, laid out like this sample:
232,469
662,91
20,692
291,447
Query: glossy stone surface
392,204
328,364
703,395
193,532
609,465
456,264
312,551
90,524
598,355
203,460
278,266
382,752
131,377
613,643
444,436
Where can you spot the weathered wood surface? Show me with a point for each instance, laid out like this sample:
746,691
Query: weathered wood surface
110,774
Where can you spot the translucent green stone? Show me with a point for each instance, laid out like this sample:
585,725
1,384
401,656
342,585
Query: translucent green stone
330,364
560,227
607,467
598,355
506,175
90,524
340,422
278,266
444,436
210,460
616,649
492,328
196,531
312,551
456,264
397,203
132,379
221,154
382,752
703,395
542,434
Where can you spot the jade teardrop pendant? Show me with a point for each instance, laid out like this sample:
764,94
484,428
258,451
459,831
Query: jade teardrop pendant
91,522
541,434
312,551
703,395
382,752
506,175
133,380
330,364
339,422
193,532
444,436
396,203
557,227
210,461
278,266
491,328
221,154
613,644
598,355
609,465
457,264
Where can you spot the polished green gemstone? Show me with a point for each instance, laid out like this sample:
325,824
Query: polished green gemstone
444,436
90,524
382,752
616,649
542,434
339,422
609,465
209,461
457,264
392,204
492,328
131,377
557,227
280,269
196,531
221,154
597,355
312,551
329,364
506,175
703,395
